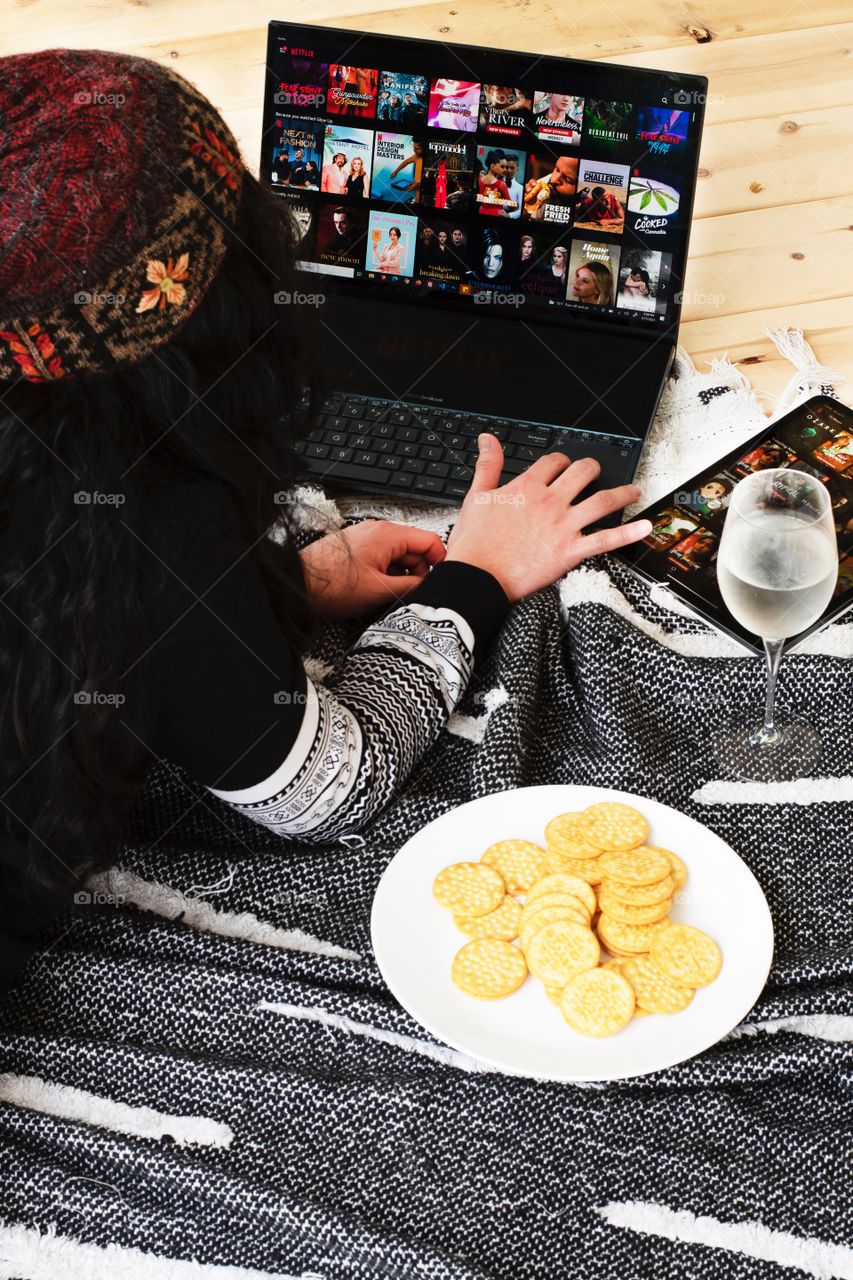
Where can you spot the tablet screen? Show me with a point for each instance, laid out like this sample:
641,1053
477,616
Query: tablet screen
681,549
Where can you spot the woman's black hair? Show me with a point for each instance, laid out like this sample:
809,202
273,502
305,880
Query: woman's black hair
222,401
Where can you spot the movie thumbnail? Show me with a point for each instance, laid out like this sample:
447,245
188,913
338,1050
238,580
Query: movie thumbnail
607,127
669,527
772,453
644,280
593,271
442,250
551,187
558,117
352,90
662,132
602,191
492,254
297,154
448,174
836,451
454,104
302,84
695,551
304,214
506,112
391,240
403,100
397,167
500,181
347,157
341,237
711,498
653,201
542,268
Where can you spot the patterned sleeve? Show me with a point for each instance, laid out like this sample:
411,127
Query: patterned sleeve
366,726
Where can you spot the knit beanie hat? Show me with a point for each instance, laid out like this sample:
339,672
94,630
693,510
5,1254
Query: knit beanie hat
118,181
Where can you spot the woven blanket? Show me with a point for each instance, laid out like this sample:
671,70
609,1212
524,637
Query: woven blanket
204,1075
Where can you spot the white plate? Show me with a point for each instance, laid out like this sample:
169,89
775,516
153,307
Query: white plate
414,940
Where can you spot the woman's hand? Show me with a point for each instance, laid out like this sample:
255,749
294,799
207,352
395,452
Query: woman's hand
368,566
529,532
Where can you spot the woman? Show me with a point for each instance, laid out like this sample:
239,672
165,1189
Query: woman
560,265
390,257
593,283
354,185
492,190
636,291
144,367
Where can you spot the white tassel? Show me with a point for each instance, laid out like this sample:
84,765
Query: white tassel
809,376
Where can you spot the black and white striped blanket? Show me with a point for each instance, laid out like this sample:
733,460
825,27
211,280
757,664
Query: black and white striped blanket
204,1075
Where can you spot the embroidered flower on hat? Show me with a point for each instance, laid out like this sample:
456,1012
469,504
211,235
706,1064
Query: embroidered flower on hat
35,352
166,280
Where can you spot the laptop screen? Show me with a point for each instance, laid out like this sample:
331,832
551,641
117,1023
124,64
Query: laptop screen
455,176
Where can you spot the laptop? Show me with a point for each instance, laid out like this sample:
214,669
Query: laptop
492,241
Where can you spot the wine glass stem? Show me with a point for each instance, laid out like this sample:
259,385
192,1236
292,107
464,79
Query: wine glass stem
768,735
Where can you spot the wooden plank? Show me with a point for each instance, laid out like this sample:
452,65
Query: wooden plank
825,325
586,31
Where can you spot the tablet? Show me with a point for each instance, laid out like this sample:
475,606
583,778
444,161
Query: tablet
681,550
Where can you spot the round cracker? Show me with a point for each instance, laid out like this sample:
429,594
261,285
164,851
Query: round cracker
503,922
560,950
557,900
612,825
598,1002
678,869
488,968
564,835
640,895
628,939
469,888
642,865
520,862
628,914
588,869
531,924
554,992
654,991
687,955
560,882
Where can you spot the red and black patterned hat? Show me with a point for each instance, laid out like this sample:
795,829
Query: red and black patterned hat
119,181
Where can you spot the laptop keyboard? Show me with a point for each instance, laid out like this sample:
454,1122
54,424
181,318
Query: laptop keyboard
361,443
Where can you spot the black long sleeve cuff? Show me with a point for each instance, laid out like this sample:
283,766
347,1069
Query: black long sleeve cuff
472,592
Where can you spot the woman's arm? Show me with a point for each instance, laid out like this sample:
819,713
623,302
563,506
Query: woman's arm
311,759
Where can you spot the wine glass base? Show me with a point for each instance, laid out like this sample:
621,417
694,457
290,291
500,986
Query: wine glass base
795,754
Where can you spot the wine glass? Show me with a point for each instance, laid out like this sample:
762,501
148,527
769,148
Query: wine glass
777,568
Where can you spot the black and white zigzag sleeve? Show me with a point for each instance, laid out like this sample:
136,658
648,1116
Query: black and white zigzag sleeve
238,711
366,726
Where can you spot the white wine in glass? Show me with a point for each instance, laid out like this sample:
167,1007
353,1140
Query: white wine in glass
777,568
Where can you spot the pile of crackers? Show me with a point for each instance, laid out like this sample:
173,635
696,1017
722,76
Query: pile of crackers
593,925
